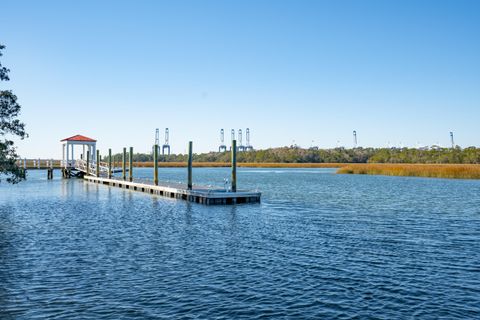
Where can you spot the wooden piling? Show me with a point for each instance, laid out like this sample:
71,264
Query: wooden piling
23,173
130,164
88,162
98,163
124,164
234,165
190,161
155,164
109,163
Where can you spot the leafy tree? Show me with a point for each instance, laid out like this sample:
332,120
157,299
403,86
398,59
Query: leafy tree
9,126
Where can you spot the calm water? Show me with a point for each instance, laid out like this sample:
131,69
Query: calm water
319,245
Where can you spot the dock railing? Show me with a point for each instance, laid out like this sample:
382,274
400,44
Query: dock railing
81,165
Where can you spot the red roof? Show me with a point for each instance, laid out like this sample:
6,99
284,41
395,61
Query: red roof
79,137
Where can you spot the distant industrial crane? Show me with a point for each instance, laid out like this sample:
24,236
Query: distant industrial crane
240,146
248,146
157,141
222,147
232,137
166,145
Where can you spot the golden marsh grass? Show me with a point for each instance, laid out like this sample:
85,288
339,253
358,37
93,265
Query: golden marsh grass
449,171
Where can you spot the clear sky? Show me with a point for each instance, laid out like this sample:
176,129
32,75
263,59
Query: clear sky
397,72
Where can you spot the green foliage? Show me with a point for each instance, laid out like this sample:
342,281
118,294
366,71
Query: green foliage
469,155
9,126
3,71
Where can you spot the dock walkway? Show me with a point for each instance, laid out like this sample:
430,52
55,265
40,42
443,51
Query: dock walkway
198,194
93,170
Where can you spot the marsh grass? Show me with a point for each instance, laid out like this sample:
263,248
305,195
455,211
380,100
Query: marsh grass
449,171
239,164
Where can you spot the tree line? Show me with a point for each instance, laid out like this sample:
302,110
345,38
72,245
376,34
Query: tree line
10,127
469,155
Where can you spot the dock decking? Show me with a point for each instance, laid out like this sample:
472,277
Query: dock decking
198,194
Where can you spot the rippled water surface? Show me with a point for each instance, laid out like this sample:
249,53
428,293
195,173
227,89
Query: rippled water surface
319,245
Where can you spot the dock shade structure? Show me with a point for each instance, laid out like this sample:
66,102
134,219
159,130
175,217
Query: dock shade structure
68,148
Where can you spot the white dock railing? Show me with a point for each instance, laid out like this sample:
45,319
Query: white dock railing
68,164
81,165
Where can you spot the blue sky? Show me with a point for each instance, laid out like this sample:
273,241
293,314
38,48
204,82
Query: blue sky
397,72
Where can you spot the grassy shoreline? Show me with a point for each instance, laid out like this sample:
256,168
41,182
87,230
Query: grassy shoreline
210,165
240,164
447,171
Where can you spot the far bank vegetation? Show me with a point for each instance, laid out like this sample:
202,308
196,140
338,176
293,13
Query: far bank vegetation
433,163
449,171
296,155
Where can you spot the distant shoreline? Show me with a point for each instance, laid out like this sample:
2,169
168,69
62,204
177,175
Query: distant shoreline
149,164
240,164
448,171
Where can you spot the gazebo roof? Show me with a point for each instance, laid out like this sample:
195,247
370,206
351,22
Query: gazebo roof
79,137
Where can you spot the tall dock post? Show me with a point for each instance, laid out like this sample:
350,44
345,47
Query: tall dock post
130,164
49,170
88,162
109,163
97,161
190,160
234,165
155,164
124,164
24,168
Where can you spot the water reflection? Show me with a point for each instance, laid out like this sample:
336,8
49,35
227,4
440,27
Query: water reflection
318,246
188,213
233,220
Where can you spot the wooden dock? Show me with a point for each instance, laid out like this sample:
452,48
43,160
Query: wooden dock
198,194
93,170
